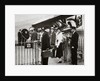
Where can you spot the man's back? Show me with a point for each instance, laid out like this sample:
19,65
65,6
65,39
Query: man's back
45,41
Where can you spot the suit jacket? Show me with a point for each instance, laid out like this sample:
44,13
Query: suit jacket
34,36
74,40
53,38
45,41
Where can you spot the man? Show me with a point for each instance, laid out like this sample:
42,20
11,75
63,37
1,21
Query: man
41,34
74,45
53,40
45,45
19,37
34,35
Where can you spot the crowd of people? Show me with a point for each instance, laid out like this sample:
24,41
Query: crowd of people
62,42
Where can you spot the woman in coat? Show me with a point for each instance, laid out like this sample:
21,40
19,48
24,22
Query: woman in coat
65,47
59,43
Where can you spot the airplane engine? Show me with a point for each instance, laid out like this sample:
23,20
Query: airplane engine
25,35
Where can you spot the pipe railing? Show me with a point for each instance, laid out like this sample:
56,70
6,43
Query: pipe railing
27,53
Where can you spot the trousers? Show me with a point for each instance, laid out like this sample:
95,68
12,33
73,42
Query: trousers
74,56
44,61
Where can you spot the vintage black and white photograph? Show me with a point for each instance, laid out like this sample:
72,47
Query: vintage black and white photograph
49,39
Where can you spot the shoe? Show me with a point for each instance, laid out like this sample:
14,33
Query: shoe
60,62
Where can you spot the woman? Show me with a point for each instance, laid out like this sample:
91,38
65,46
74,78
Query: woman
69,50
65,47
59,43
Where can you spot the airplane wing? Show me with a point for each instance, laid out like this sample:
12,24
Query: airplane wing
50,22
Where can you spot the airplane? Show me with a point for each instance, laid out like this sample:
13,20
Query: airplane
63,21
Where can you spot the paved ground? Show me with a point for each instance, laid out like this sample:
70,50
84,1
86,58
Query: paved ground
54,61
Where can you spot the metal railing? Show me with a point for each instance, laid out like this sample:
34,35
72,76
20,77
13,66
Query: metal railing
81,48
27,53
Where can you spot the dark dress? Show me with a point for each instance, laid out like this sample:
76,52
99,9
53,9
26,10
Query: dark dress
45,45
74,43
59,52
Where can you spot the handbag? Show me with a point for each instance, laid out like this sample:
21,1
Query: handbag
47,53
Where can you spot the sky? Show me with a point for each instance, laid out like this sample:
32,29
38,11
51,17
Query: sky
26,20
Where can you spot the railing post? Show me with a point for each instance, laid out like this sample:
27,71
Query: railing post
33,60
35,52
15,52
27,56
21,54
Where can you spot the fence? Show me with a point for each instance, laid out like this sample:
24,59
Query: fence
30,53
27,53
81,48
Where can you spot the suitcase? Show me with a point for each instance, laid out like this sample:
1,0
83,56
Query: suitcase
47,53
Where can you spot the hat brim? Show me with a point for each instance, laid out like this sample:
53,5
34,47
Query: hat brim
66,30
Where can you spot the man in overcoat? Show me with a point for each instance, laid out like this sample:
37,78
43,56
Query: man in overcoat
74,45
45,46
